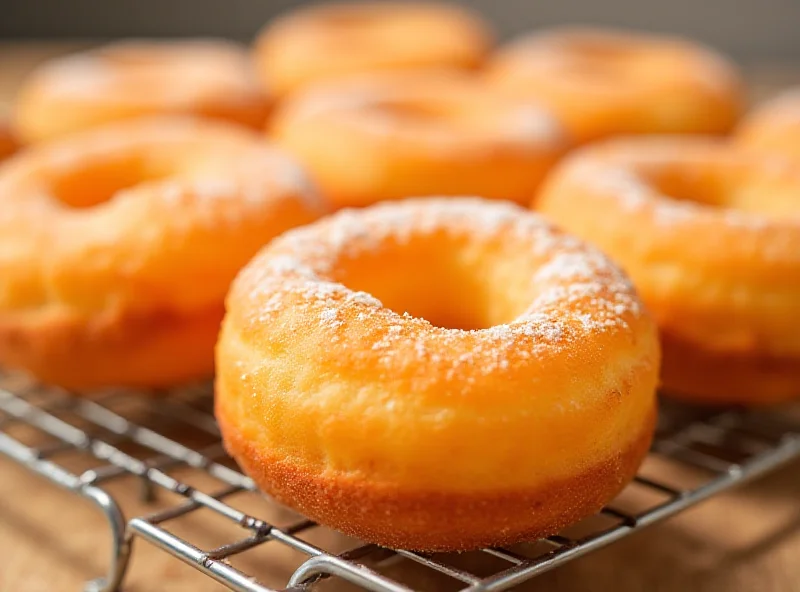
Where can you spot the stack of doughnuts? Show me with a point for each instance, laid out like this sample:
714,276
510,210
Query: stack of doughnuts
435,373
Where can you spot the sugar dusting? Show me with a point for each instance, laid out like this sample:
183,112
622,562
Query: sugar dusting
117,69
553,54
79,75
120,138
256,177
533,123
634,194
242,174
323,101
782,109
364,103
577,290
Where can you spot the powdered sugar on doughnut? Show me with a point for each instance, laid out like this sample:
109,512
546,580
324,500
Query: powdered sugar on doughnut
200,66
532,123
632,193
215,168
80,75
313,104
577,289
785,106
371,105
251,181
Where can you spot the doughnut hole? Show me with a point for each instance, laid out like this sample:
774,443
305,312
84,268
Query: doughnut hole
759,190
604,60
602,49
461,287
415,111
136,55
390,137
352,18
136,66
598,61
443,115
94,182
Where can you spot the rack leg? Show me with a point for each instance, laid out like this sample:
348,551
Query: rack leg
120,545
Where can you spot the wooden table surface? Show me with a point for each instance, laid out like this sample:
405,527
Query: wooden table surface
744,541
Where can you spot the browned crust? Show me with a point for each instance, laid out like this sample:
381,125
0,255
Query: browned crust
155,350
701,376
436,520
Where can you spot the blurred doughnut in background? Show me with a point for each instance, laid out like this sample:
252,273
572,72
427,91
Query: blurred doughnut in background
710,235
604,82
774,126
117,246
418,134
127,79
321,43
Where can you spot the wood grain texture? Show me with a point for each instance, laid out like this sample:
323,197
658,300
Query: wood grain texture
745,541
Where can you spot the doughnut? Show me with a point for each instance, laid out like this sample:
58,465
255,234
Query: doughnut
603,82
118,244
394,136
127,79
710,235
436,374
774,126
321,43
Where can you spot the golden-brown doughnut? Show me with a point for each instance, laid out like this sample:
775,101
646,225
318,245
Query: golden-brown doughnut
321,43
506,367
204,78
117,246
604,82
390,137
774,126
710,234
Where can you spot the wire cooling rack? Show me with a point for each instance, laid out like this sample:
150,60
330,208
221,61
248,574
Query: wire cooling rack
171,442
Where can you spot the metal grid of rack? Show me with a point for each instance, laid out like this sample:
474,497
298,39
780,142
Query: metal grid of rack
163,442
